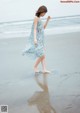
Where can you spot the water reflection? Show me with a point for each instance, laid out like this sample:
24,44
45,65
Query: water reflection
41,99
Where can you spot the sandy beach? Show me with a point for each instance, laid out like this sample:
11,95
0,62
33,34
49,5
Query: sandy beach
26,92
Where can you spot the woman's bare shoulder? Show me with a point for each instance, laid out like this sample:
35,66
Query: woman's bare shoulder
36,18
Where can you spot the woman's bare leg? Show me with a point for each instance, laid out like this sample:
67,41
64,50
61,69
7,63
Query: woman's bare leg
43,62
37,63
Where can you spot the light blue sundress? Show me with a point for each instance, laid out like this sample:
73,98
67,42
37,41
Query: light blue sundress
31,49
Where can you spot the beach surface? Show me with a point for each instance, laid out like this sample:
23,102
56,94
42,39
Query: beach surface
26,92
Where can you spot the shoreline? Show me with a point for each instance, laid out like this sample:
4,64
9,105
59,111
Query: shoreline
46,35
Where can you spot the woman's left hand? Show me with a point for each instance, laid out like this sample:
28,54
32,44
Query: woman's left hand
48,18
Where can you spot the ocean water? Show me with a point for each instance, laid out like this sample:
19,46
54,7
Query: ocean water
56,25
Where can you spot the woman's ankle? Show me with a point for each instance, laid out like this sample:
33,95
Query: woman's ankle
45,70
36,69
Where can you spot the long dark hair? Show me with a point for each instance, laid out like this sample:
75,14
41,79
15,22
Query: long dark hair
42,9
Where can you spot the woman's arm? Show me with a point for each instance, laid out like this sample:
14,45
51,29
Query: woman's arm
35,26
45,25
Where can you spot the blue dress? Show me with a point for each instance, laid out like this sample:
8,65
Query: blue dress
31,49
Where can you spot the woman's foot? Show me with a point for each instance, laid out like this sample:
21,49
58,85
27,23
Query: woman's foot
46,71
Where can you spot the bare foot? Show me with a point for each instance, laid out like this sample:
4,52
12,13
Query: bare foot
46,71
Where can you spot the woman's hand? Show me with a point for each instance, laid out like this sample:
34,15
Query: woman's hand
48,18
35,41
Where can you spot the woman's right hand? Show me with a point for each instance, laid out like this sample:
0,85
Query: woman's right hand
35,41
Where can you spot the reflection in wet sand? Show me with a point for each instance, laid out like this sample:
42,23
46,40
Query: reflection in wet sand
41,99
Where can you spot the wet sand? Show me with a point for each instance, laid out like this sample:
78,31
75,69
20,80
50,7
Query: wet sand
24,91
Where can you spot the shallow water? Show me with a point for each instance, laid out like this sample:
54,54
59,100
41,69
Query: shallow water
42,93
58,92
